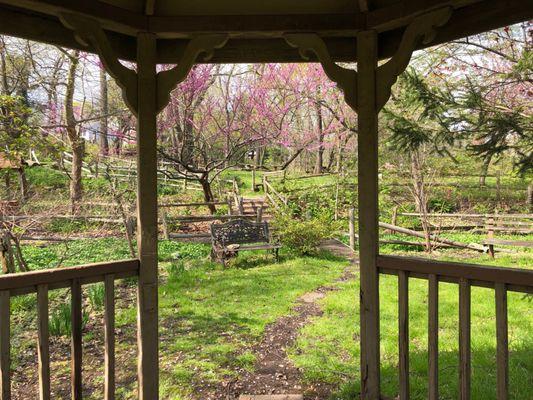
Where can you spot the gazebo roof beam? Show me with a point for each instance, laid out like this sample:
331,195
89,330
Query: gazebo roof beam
48,29
265,48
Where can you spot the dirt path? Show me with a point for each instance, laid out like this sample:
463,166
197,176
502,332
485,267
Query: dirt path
273,372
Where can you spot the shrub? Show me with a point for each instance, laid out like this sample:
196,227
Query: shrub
302,237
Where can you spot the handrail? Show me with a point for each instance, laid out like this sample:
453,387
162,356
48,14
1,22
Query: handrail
519,280
268,187
27,282
482,216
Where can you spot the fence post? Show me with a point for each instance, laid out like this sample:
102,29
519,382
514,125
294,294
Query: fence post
164,221
260,214
351,220
253,180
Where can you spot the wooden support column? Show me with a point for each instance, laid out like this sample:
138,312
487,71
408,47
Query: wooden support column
147,326
367,148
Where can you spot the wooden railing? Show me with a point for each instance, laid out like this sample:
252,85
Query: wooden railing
501,280
272,194
41,282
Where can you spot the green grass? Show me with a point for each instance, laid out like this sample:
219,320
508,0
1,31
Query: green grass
211,316
328,349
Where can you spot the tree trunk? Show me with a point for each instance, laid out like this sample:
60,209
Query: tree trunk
208,193
104,111
76,141
7,180
484,171
530,196
23,183
420,196
319,166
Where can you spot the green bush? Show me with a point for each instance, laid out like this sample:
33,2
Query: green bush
41,177
302,237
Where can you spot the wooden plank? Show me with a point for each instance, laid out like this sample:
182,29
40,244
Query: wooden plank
368,213
511,276
43,348
5,346
464,339
109,337
518,243
59,275
147,322
502,343
403,329
76,382
433,337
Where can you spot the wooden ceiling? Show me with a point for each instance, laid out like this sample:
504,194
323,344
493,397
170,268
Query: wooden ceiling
255,27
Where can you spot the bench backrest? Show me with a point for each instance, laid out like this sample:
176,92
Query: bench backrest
240,231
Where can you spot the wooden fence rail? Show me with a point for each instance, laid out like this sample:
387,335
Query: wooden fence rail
40,283
502,280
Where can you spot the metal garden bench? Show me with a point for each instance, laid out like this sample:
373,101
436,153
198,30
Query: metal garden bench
230,238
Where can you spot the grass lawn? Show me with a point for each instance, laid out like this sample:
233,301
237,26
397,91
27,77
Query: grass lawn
328,350
210,317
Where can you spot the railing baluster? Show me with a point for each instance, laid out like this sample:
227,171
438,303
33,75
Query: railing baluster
76,341
433,337
5,346
502,342
403,345
43,348
464,339
109,321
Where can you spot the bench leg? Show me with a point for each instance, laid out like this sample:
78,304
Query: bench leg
491,251
276,254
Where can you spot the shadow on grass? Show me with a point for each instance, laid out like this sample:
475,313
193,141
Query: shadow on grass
483,376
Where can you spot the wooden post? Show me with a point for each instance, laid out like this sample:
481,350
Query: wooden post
5,346
368,212
253,179
351,221
147,328
164,221
259,217
76,356
43,349
109,337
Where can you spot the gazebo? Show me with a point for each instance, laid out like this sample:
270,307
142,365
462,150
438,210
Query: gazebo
182,33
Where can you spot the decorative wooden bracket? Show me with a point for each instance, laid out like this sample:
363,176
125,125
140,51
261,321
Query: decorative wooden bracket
167,80
346,79
422,27
89,32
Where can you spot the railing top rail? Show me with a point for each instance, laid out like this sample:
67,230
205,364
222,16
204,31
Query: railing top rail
200,204
511,276
451,215
27,282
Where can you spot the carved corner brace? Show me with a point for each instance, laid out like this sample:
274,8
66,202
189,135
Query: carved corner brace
422,28
167,80
89,32
308,43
